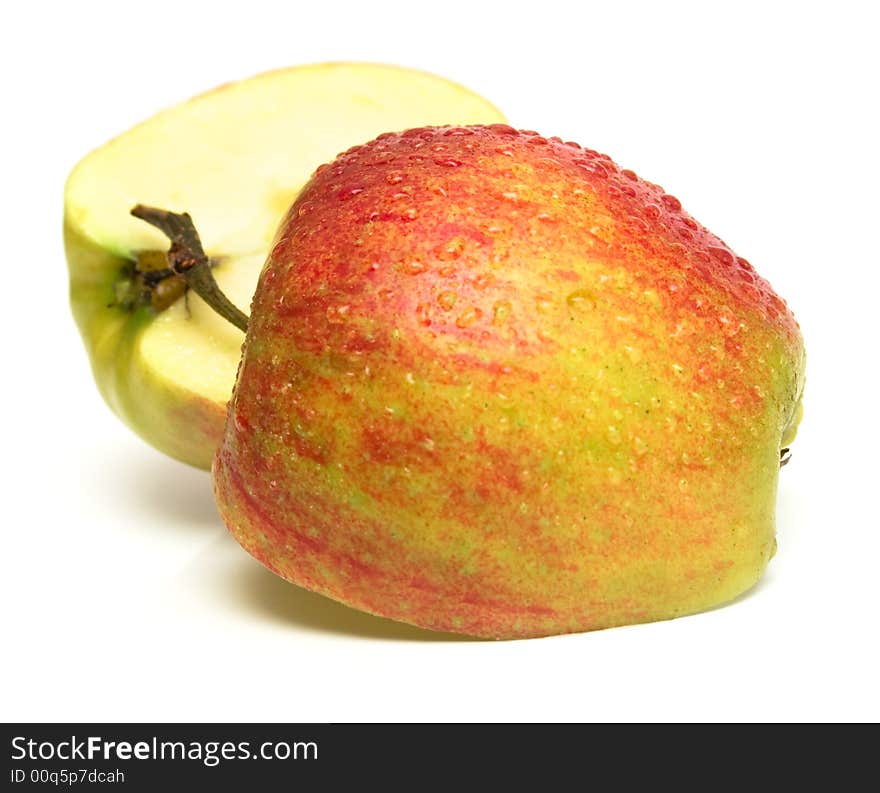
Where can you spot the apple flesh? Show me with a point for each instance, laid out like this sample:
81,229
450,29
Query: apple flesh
494,384
234,158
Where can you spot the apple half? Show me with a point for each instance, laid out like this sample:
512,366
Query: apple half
234,159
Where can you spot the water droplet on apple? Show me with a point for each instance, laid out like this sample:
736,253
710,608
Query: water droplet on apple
410,214
414,267
581,300
592,168
748,277
671,202
652,211
722,255
336,314
483,280
349,192
452,250
447,162
423,314
394,178
446,300
381,157
544,303
500,312
730,324
637,223
468,317
241,423
751,292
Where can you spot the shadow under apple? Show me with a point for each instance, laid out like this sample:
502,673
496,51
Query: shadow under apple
163,493
178,494
265,594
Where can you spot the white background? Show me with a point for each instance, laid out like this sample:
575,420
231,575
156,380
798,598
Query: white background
123,596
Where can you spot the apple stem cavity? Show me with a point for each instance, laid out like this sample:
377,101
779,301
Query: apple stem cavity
187,258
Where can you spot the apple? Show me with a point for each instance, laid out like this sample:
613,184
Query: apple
235,158
494,384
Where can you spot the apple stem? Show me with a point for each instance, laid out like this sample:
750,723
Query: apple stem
187,258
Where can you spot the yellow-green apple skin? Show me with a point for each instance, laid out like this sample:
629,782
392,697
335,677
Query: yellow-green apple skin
234,158
494,384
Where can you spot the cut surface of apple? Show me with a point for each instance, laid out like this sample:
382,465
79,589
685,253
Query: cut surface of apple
234,158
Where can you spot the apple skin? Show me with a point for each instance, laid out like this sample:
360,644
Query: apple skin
174,419
493,384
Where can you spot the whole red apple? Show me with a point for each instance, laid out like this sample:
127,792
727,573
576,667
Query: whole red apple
494,384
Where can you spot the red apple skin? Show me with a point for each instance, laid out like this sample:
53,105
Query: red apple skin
494,384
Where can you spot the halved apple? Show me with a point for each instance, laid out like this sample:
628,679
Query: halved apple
235,159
